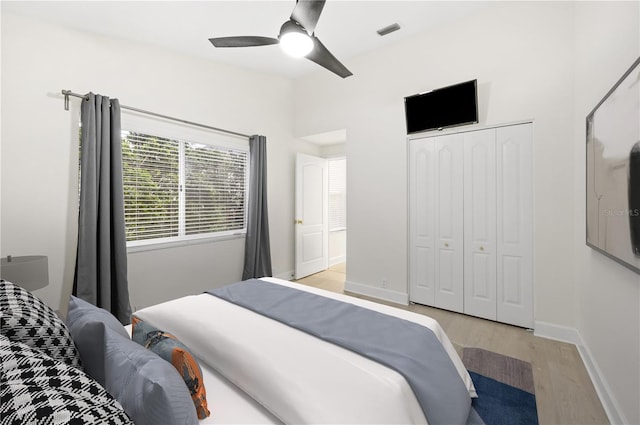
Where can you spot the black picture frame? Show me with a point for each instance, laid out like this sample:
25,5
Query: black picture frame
613,172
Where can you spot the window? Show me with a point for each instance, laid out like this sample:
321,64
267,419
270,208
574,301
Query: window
337,194
151,182
178,190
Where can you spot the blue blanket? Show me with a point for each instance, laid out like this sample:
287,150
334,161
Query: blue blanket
412,350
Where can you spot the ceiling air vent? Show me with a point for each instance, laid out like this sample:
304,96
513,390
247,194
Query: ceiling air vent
388,29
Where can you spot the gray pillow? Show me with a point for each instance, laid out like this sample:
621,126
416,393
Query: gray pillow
149,389
87,324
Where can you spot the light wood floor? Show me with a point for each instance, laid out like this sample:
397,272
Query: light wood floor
564,392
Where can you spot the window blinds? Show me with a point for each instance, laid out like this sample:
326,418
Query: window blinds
151,186
337,194
175,188
214,189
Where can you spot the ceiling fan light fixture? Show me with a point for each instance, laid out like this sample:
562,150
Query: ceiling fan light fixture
296,38
296,44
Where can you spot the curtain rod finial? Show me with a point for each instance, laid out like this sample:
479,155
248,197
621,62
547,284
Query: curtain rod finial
66,99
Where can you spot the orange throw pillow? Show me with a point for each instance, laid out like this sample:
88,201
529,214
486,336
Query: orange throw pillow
175,352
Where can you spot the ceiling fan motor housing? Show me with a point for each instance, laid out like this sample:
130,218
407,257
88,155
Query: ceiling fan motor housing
292,26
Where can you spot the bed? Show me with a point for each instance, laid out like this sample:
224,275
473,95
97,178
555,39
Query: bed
259,370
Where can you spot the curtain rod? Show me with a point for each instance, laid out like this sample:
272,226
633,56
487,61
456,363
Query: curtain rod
68,93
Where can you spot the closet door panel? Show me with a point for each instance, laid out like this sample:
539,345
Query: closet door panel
449,222
422,221
480,224
515,229
512,272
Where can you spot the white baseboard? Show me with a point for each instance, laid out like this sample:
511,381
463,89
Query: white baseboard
285,275
613,411
557,332
571,335
379,293
337,260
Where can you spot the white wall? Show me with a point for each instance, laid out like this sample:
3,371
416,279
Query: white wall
607,43
333,151
521,54
337,247
546,61
40,153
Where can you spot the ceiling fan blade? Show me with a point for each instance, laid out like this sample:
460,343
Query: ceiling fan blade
323,57
243,41
307,13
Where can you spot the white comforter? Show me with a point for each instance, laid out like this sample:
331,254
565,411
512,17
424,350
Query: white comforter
295,376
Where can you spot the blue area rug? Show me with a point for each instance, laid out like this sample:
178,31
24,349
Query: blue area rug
505,388
502,404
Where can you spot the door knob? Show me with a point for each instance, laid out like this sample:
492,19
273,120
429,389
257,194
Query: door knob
481,248
446,244
297,221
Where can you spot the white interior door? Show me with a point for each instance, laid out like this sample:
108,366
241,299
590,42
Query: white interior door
422,221
480,223
471,225
311,220
449,263
515,232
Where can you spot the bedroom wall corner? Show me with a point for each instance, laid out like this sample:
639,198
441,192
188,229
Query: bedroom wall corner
607,38
524,71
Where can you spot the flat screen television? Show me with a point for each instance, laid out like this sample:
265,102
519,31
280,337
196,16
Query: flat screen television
444,107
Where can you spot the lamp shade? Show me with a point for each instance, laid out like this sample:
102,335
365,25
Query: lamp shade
30,272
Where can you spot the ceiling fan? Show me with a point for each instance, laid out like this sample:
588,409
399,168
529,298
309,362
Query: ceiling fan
296,37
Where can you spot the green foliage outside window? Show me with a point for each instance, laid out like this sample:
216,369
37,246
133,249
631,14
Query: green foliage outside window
151,186
213,180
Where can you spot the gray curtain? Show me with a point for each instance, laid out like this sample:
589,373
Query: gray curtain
257,250
101,261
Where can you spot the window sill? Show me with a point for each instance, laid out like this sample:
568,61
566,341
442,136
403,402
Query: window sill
154,246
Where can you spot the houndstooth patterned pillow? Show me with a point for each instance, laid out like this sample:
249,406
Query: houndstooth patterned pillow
26,319
36,389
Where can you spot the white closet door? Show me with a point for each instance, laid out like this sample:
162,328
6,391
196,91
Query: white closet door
515,231
480,224
449,261
422,221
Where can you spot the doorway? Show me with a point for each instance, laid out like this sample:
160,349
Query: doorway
321,212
